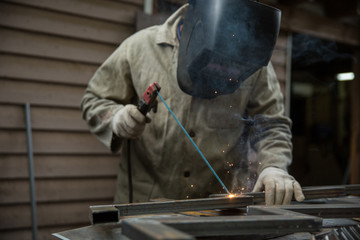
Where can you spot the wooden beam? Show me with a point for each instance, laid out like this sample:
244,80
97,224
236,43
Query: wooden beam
55,23
18,216
14,167
46,142
301,21
58,190
355,124
45,70
304,22
44,94
53,47
42,118
105,10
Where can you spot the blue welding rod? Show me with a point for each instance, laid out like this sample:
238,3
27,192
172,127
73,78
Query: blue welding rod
202,155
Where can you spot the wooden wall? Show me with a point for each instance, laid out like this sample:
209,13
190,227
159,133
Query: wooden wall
49,49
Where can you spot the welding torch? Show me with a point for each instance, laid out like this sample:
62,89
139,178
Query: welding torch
148,100
146,103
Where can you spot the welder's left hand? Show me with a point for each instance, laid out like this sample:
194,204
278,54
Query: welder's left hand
279,186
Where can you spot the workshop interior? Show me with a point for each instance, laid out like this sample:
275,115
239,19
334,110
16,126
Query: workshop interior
57,181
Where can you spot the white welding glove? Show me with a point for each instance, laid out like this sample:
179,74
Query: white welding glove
279,186
129,122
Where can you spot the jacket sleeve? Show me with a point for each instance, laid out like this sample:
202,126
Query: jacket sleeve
270,134
107,92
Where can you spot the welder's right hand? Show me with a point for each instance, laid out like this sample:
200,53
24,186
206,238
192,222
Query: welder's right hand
129,122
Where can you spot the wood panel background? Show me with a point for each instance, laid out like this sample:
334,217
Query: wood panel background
48,52
49,49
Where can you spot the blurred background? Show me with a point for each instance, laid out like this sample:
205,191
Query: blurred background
50,49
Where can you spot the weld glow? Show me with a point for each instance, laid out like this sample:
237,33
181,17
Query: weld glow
231,195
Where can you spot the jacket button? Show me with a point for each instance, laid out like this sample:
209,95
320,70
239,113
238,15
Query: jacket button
186,174
192,134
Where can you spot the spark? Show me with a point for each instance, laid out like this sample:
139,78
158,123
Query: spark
223,151
230,106
192,185
231,195
215,92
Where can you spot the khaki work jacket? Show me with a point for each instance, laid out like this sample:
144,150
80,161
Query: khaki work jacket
239,134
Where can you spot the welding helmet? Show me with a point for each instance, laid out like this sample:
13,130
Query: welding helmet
222,43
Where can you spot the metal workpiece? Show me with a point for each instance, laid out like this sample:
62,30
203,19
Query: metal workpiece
105,231
146,229
171,206
104,214
341,233
324,192
326,210
310,193
318,210
258,221
280,222
352,189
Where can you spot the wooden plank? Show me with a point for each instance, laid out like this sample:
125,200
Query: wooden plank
54,166
355,124
57,190
144,20
281,42
45,70
280,72
37,20
136,2
279,57
19,92
42,45
119,12
50,215
304,22
42,118
14,142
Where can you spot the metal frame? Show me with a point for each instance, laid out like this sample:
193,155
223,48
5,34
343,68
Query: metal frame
228,217
273,221
107,213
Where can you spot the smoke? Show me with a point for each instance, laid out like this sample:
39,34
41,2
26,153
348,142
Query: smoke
245,170
309,50
256,129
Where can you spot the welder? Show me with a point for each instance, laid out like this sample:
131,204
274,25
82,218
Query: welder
212,61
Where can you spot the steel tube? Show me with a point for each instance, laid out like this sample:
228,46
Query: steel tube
31,171
173,206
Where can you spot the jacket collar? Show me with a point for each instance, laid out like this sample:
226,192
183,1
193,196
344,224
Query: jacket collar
167,31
